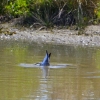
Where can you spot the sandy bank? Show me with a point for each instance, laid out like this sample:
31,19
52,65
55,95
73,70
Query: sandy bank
56,36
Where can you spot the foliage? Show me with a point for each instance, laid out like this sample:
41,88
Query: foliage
54,12
17,8
2,4
50,12
43,12
97,11
63,12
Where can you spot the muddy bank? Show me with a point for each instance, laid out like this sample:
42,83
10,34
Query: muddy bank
55,36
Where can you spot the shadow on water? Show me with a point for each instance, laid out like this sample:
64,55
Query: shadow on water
73,74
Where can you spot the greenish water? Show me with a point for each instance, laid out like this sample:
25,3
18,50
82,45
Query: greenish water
80,80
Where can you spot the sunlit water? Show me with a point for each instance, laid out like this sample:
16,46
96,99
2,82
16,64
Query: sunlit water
73,74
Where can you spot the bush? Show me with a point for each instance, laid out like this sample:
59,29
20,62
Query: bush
2,5
97,11
54,12
17,8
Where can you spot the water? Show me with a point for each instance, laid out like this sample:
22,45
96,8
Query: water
74,73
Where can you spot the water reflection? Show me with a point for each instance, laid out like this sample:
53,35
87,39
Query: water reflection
45,69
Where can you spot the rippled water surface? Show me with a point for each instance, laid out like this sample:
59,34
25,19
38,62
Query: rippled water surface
73,74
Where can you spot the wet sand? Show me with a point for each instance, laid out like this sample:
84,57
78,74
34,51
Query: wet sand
91,36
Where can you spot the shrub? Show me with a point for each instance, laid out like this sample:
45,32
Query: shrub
55,12
97,11
17,8
2,5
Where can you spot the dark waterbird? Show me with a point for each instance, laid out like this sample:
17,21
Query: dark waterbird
46,60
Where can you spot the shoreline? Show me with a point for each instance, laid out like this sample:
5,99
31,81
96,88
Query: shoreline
54,36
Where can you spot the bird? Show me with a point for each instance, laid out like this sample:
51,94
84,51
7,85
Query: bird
46,60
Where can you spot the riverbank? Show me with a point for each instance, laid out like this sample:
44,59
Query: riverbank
91,36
